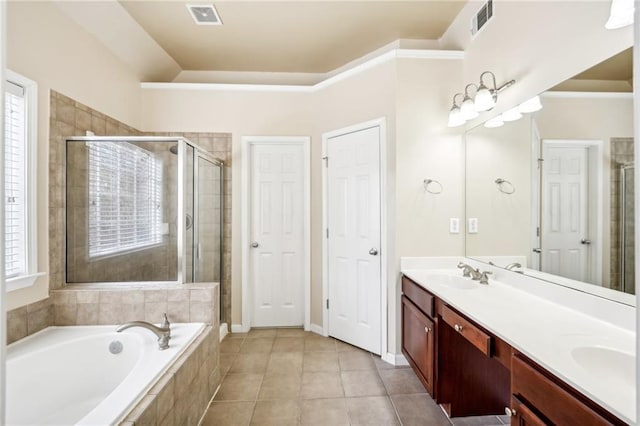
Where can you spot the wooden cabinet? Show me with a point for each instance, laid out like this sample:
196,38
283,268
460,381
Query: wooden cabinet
418,342
540,398
419,329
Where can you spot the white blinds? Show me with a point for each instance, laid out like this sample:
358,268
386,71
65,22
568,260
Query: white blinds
15,181
125,193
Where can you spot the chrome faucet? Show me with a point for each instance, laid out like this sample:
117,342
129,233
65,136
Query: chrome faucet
469,271
163,332
513,265
484,277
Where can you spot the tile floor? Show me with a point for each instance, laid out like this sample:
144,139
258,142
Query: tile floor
292,377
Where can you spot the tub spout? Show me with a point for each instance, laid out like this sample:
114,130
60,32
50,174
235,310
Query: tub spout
163,333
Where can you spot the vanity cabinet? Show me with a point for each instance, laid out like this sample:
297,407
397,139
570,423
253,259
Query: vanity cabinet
418,332
538,398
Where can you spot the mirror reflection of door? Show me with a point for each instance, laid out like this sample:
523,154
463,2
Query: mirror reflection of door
571,228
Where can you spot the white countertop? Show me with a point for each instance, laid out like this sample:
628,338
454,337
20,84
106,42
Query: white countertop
547,332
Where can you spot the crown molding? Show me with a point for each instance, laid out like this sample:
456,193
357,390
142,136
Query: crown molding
329,81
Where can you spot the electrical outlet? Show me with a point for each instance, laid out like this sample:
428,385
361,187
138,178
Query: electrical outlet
473,225
454,225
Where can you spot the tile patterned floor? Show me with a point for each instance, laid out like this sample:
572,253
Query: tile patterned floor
291,377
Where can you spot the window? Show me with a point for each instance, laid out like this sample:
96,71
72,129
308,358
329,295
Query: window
125,196
20,177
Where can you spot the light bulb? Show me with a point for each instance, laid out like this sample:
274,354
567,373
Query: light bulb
494,122
511,115
484,100
455,117
531,105
467,109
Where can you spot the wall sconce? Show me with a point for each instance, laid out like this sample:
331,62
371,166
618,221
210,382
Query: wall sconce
484,99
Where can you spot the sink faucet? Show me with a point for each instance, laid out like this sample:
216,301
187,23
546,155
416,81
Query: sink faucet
469,271
484,277
513,265
163,332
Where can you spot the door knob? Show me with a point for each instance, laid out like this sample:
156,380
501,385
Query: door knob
373,252
585,241
255,244
537,250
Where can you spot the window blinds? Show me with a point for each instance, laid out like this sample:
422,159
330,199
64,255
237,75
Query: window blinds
125,193
15,181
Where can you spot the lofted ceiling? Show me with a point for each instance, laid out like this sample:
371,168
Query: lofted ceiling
614,74
293,36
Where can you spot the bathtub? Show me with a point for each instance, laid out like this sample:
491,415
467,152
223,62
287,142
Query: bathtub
68,375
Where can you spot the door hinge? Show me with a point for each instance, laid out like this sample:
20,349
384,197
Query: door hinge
540,161
537,231
327,233
327,303
326,161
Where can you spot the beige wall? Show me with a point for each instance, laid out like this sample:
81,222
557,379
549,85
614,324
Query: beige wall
363,97
49,48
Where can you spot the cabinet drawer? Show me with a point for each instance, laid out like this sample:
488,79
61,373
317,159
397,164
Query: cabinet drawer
556,404
419,296
468,330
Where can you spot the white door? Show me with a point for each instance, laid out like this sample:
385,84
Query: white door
277,234
354,230
565,222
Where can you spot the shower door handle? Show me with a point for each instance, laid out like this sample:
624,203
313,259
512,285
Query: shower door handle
255,244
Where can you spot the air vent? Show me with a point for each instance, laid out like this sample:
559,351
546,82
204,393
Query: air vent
204,14
482,17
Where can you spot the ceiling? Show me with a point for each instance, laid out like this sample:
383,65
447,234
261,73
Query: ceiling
611,75
294,36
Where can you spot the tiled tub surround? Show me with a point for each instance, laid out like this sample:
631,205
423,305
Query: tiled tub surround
71,118
182,394
99,305
87,381
29,319
545,322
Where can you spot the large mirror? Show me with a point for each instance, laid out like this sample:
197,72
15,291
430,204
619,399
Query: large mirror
551,195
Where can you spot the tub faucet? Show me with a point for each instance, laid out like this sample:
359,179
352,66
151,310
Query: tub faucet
163,332
469,271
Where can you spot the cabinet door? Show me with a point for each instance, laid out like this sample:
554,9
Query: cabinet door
418,342
522,415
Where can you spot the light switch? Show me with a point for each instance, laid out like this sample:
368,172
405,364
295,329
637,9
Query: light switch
454,225
473,225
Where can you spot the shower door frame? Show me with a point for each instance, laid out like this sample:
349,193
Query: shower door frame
621,220
181,237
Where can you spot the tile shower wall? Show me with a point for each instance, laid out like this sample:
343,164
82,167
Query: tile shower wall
71,118
621,153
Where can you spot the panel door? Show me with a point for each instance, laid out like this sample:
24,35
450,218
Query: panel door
277,234
353,213
565,221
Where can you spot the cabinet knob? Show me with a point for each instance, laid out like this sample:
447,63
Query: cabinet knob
457,328
427,329
509,412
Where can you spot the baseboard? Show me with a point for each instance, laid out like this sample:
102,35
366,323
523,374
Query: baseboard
395,359
315,328
224,330
237,328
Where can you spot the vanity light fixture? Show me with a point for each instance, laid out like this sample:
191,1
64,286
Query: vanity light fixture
468,108
532,105
455,116
485,98
494,122
621,14
511,115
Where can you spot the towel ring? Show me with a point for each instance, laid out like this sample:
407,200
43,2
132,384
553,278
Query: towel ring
432,183
505,186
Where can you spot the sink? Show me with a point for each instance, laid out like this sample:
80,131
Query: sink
609,364
452,281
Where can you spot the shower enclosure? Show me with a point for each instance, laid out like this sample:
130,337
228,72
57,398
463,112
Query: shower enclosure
142,209
627,228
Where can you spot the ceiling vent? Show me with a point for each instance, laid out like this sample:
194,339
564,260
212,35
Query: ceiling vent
204,14
482,17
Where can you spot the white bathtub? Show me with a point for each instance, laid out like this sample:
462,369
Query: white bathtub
67,375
